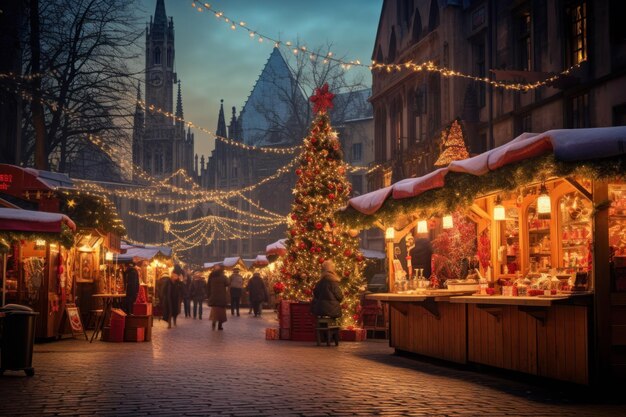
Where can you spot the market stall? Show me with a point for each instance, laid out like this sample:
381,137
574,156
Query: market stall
33,245
153,262
530,239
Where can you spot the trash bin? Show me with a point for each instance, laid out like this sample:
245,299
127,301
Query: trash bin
17,330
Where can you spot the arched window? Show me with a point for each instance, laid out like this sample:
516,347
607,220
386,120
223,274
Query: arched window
157,56
170,57
391,56
379,55
417,27
404,10
433,18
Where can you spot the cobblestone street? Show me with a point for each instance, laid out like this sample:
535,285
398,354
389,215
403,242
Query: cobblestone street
191,370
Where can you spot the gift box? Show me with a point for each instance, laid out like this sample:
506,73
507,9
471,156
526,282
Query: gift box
117,314
352,335
271,333
142,309
117,323
285,334
284,314
113,334
134,334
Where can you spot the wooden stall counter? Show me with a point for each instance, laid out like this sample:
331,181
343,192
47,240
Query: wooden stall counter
541,335
426,323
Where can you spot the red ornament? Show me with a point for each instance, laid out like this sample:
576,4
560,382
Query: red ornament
318,249
331,196
294,217
308,292
313,139
293,232
321,259
322,99
302,245
330,186
298,171
318,225
355,317
346,273
359,258
347,252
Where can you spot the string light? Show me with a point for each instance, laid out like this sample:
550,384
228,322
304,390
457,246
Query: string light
406,66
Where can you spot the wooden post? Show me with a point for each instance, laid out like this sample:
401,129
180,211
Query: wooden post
602,284
390,274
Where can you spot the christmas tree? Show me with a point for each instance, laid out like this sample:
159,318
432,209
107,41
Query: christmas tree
454,146
313,235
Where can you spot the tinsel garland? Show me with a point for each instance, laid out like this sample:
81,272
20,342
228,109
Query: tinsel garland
462,189
8,238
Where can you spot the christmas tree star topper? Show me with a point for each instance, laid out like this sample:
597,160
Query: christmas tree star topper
322,99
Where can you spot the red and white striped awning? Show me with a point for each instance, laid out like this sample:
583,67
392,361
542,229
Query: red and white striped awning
568,145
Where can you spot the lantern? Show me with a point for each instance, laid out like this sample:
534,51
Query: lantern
422,227
447,222
544,208
498,210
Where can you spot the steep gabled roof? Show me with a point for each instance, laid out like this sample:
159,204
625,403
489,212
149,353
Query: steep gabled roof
263,99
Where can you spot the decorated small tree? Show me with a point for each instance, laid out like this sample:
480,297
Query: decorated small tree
453,147
313,236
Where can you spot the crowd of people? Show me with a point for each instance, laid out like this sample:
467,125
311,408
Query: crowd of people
221,292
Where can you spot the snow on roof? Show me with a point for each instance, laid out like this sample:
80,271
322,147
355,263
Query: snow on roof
33,221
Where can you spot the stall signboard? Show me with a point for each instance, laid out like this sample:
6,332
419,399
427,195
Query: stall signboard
72,314
5,181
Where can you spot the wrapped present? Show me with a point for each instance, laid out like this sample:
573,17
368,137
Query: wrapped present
138,321
113,334
352,335
284,314
134,334
142,309
285,334
117,323
271,333
118,313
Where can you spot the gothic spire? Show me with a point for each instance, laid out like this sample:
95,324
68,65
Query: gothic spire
232,127
179,103
138,108
160,18
221,122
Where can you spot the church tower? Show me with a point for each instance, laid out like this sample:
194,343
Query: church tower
165,146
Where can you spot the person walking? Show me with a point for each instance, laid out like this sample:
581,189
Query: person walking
257,293
218,299
327,295
198,294
131,287
187,295
171,296
236,287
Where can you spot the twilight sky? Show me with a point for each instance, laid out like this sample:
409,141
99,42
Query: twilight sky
215,62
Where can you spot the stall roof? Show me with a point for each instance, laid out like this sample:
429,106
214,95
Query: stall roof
33,221
567,145
276,248
234,262
212,264
372,254
143,252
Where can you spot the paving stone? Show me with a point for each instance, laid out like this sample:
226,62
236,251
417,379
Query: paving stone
192,370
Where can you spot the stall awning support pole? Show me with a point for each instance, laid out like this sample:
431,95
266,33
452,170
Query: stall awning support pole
4,278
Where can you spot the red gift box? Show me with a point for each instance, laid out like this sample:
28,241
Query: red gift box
117,313
284,314
113,334
271,333
354,335
117,323
285,334
142,309
134,334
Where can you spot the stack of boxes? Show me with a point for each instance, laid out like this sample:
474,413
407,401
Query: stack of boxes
114,332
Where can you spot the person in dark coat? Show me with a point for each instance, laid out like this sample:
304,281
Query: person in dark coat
327,295
198,294
131,286
187,295
257,293
421,256
218,298
171,295
236,287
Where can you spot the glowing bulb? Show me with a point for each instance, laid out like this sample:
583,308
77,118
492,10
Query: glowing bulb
422,227
544,207
498,210
447,222
390,233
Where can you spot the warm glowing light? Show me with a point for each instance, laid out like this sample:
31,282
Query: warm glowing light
447,222
544,207
498,210
422,227
40,243
108,256
71,203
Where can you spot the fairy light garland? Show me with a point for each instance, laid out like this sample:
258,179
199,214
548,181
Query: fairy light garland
346,65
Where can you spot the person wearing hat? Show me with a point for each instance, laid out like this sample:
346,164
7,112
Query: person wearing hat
131,287
327,295
236,287
171,295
